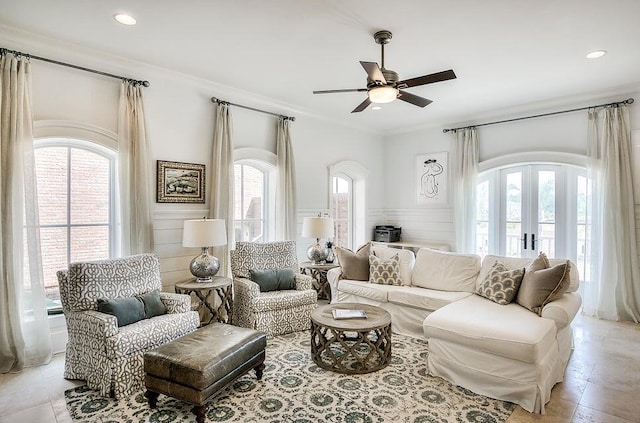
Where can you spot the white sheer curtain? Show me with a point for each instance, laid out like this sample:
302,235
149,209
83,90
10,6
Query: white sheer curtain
24,330
465,175
221,201
612,290
135,173
286,224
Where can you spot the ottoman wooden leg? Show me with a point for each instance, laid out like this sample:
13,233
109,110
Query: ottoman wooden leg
152,397
259,369
201,412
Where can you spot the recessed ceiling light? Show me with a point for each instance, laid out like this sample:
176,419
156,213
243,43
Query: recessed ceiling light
596,54
376,108
125,19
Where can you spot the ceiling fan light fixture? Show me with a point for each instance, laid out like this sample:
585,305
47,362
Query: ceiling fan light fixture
596,54
383,94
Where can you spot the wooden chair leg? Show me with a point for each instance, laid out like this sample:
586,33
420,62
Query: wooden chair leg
259,369
152,397
201,413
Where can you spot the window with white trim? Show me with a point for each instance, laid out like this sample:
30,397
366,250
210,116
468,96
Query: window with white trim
342,210
253,200
76,201
347,203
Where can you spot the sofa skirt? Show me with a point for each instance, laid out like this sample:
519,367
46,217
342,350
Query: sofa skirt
526,384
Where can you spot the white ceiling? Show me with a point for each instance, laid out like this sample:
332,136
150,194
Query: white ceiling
506,53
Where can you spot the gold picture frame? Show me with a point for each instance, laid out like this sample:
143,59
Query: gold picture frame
179,182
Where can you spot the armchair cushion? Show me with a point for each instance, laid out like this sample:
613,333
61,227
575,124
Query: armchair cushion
153,305
273,279
127,310
265,256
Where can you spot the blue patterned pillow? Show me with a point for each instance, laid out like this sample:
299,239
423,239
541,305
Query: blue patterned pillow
127,310
501,284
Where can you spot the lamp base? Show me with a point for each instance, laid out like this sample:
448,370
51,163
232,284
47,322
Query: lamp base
204,267
317,254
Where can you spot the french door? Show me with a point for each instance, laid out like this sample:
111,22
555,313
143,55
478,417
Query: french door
530,208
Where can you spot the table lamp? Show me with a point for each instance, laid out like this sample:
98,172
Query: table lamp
317,227
204,233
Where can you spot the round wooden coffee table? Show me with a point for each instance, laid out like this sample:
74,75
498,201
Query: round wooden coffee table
351,346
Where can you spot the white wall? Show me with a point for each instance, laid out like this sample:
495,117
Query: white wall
180,126
559,133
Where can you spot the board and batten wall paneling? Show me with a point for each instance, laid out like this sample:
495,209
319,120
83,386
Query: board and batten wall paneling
424,224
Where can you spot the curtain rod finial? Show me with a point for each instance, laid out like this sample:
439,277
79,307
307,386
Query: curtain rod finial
146,84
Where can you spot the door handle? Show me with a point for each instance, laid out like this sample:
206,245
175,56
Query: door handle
524,241
533,241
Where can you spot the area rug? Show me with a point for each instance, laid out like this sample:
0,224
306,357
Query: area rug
294,389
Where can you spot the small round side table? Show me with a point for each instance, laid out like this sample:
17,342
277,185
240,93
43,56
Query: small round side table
209,293
319,273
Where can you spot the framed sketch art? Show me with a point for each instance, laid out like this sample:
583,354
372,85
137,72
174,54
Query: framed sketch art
180,182
432,179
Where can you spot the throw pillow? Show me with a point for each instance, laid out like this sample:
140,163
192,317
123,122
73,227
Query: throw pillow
354,266
153,305
501,284
384,272
127,310
542,284
273,280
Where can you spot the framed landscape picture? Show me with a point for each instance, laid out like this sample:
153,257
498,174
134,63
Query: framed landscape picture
180,182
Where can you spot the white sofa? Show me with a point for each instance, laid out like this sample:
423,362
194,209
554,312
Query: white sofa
501,351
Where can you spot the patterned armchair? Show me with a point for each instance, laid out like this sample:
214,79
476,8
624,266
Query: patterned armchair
275,312
108,357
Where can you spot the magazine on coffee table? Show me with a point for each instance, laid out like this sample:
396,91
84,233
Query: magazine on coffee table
340,314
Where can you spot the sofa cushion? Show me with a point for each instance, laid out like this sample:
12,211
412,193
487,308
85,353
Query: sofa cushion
423,298
509,331
355,266
516,262
542,283
365,289
445,271
384,271
501,284
407,260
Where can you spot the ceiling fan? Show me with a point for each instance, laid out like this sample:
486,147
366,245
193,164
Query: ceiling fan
383,85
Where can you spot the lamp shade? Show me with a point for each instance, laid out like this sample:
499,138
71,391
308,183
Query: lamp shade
204,233
317,227
383,94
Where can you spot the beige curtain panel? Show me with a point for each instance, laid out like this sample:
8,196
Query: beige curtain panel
135,173
24,330
286,223
221,183
465,179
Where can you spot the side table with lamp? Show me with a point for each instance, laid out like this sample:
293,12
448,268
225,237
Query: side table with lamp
319,228
214,293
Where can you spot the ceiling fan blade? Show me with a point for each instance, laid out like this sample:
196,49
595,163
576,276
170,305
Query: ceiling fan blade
374,72
427,79
414,99
351,90
362,106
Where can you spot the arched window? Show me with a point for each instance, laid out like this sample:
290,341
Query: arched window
77,207
342,209
347,203
254,195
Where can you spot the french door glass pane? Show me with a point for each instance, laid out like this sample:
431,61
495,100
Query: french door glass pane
513,245
547,239
514,197
546,196
482,238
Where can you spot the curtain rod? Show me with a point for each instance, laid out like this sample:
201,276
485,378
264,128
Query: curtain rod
218,101
69,65
617,103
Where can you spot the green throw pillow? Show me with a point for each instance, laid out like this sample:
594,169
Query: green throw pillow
126,310
273,280
153,305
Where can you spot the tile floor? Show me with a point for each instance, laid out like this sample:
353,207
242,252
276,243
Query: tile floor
602,382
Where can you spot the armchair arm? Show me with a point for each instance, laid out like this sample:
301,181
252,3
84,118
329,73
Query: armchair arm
92,323
176,303
303,282
246,288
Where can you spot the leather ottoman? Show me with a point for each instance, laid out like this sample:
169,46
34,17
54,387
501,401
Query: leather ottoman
199,365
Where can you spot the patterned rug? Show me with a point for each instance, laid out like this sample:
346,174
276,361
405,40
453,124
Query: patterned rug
294,389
